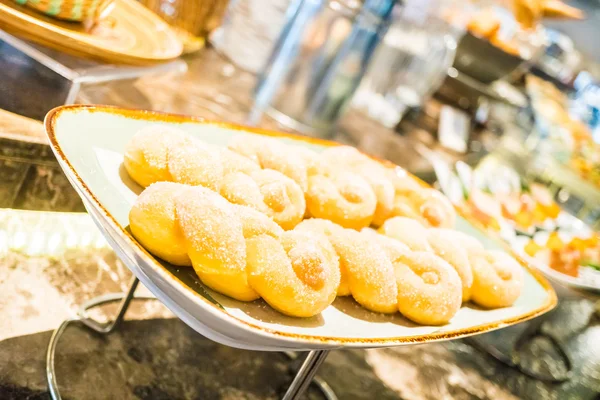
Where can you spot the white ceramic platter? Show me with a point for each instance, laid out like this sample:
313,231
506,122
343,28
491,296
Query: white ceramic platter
89,141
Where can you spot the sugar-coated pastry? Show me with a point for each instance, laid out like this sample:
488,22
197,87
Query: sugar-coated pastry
273,154
469,243
267,191
369,271
333,232
497,279
446,246
408,231
310,158
387,243
342,197
153,221
146,155
373,172
297,275
433,207
234,162
196,164
255,223
366,272
429,289
215,240
161,154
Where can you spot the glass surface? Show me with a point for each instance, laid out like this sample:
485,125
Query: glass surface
27,87
411,62
319,60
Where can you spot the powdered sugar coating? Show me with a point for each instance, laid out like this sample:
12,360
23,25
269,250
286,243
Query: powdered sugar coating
296,275
234,162
446,246
162,154
154,223
373,172
269,192
392,247
255,223
216,243
370,272
408,231
147,153
331,231
273,154
429,289
342,197
196,164
429,206
497,279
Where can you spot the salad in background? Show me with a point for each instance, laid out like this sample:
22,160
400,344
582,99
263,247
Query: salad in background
525,215
569,127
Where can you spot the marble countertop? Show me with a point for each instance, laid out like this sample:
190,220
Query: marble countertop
50,262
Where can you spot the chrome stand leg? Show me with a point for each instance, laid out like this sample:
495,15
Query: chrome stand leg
306,375
102,328
303,378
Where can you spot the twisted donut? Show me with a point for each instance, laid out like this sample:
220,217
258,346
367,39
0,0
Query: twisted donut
158,153
255,223
297,275
428,205
408,231
339,196
273,154
331,231
366,272
215,241
469,243
374,173
269,192
234,162
429,289
447,247
153,221
497,279
235,249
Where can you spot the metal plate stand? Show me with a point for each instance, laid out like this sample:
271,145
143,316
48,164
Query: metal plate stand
301,382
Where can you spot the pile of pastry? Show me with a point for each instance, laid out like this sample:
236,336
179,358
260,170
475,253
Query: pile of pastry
266,219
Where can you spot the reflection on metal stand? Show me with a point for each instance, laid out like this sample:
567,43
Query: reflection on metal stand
534,330
303,378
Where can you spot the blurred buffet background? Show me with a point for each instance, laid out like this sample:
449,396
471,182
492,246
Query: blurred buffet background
495,103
